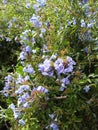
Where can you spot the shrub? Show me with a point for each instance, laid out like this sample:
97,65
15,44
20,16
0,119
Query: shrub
55,82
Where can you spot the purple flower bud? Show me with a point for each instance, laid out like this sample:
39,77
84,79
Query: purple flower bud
48,24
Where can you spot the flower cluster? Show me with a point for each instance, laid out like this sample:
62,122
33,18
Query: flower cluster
46,68
59,66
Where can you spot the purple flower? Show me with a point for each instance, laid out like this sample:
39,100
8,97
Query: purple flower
41,89
29,69
48,24
51,116
90,25
22,55
4,2
83,23
65,80
68,69
46,68
58,65
16,114
35,21
64,66
28,49
54,56
22,89
43,30
70,64
63,87
9,78
21,121
70,61
86,88
12,106
84,1
20,79
22,99
28,5
45,48
36,7
54,126
41,2
26,105
7,87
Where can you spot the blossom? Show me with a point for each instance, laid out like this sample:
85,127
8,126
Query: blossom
35,21
83,23
90,25
26,105
84,1
65,80
45,48
28,49
70,64
63,66
21,121
16,114
86,88
70,61
4,2
22,89
48,24
20,79
22,100
54,126
36,7
41,2
12,106
51,115
58,65
22,55
43,30
53,56
46,68
9,78
29,69
41,89
28,5
7,86
63,87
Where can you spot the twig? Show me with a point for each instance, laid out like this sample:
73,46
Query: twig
61,97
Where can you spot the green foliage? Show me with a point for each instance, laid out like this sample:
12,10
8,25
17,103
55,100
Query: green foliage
72,31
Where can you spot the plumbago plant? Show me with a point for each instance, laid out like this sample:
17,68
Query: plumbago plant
54,85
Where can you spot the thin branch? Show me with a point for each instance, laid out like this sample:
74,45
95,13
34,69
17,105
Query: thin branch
61,97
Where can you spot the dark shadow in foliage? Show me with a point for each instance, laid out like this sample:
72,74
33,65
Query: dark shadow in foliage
8,59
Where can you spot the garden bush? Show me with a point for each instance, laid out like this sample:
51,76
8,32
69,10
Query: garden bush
54,84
